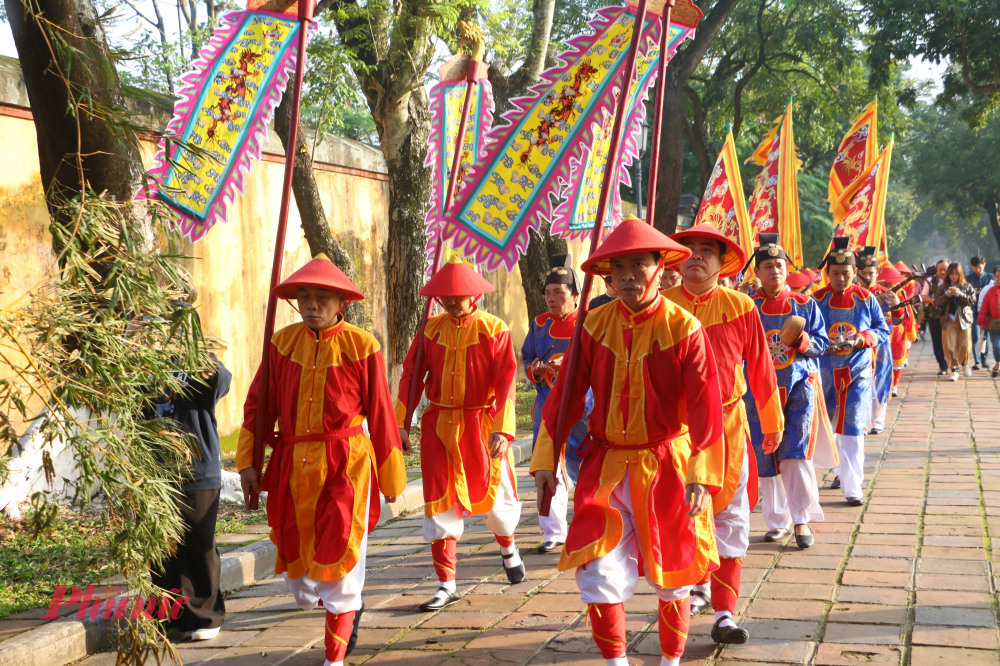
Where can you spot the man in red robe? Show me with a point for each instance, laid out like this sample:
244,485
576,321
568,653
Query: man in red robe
468,373
323,480
732,324
653,454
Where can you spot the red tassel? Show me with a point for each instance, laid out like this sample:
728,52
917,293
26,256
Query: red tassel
338,633
726,584
445,558
607,621
674,619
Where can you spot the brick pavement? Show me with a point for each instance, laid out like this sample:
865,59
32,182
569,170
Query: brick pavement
907,579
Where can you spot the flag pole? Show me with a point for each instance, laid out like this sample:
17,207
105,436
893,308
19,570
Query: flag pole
654,151
475,71
568,375
305,15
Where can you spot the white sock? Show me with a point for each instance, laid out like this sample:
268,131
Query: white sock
668,661
617,661
445,587
726,617
510,562
333,663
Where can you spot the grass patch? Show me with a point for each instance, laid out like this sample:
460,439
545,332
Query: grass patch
74,551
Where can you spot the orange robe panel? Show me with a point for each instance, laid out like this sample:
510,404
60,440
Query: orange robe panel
732,323
322,387
657,414
469,379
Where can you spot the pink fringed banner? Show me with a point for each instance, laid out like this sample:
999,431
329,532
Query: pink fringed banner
447,98
536,165
223,111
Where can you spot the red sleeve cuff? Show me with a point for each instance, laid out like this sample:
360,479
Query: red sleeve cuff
869,338
803,343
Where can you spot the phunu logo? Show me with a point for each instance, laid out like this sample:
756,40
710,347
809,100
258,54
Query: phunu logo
115,603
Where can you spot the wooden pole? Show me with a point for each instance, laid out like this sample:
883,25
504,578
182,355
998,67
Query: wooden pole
474,73
654,151
305,16
568,374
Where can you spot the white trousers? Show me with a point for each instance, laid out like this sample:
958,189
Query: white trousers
502,519
554,526
732,524
339,596
613,577
852,465
878,414
792,497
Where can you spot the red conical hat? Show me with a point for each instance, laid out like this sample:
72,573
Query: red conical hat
322,273
631,236
903,268
888,273
456,279
734,258
798,280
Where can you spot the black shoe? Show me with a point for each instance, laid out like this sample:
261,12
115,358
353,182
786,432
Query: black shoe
775,535
353,643
437,603
729,635
549,546
804,540
942,373
515,574
994,373
835,484
855,501
975,366
875,431
696,609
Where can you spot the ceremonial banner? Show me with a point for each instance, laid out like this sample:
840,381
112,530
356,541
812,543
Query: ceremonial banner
224,108
447,99
862,219
856,153
774,205
723,205
540,157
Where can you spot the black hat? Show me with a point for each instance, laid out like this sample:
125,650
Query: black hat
867,257
769,248
841,254
561,272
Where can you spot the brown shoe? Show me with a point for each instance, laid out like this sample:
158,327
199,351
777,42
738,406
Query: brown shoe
729,635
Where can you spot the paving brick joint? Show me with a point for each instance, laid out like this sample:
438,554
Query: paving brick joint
907,580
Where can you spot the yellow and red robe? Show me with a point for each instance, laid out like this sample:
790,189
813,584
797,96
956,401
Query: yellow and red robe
733,325
657,415
903,335
470,371
322,387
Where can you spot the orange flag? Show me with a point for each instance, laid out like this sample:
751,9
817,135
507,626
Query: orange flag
860,210
774,206
723,205
856,153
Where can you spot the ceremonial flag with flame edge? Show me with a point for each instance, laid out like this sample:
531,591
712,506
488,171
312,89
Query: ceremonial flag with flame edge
539,160
224,108
860,214
856,153
447,98
774,205
723,205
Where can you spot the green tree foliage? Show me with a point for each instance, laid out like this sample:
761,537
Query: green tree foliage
333,102
957,169
961,32
814,216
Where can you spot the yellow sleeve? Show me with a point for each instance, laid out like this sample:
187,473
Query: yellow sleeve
244,450
708,466
542,455
772,418
392,474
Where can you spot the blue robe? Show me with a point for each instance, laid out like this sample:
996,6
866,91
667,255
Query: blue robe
798,379
848,375
548,338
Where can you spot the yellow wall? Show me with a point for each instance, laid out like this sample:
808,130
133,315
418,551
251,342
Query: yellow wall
231,266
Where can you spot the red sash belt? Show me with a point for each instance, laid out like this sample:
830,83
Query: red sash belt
590,442
282,452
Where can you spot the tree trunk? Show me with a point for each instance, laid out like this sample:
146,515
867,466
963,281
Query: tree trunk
88,150
992,206
404,129
534,264
315,227
670,179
